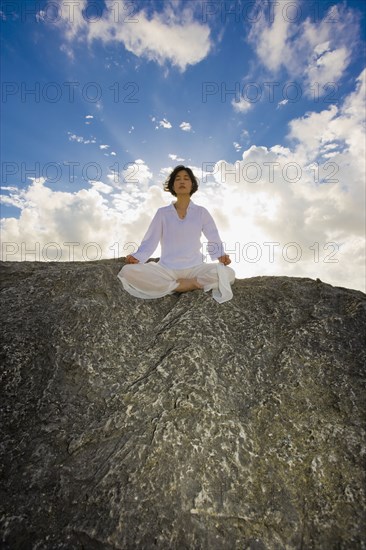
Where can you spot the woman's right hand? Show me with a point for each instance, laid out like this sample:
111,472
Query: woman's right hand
131,260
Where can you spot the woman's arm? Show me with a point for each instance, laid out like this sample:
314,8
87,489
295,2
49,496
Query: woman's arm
149,242
216,247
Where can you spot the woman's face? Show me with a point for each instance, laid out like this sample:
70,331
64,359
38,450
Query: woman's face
182,183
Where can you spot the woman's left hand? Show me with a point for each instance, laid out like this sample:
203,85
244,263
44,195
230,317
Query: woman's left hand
225,259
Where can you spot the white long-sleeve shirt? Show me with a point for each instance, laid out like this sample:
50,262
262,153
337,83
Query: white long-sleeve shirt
180,239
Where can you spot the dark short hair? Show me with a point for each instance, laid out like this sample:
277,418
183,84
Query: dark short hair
169,182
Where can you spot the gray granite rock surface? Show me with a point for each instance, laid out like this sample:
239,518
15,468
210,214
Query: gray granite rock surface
179,423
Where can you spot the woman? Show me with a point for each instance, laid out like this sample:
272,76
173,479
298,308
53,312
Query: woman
178,227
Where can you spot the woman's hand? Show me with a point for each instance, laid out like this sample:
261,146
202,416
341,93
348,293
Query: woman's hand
131,260
225,259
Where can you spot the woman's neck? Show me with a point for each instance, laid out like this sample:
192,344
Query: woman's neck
182,201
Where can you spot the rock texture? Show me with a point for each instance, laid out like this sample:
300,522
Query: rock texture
180,423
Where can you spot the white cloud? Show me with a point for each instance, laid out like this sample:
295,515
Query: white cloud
172,35
13,199
271,40
354,104
344,124
242,106
9,188
314,129
326,205
175,157
328,68
137,176
164,124
320,49
54,216
40,16
101,187
49,220
318,52
74,137
185,126
66,49
104,147
80,139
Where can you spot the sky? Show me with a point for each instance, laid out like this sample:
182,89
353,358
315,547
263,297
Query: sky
265,101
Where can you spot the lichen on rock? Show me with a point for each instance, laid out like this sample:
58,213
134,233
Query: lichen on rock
180,423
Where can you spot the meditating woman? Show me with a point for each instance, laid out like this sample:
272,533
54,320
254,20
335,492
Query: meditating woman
181,267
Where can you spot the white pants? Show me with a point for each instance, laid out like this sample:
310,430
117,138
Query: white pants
153,280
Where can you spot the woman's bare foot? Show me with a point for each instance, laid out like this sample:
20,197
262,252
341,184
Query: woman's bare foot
187,284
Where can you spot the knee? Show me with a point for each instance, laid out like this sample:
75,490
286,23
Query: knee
126,271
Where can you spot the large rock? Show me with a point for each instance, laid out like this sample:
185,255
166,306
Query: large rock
179,423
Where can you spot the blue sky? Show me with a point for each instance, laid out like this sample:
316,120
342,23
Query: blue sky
265,100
